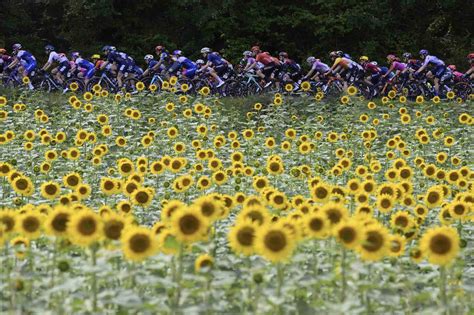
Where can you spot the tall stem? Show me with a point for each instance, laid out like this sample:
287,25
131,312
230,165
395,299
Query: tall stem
94,278
343,274
442,289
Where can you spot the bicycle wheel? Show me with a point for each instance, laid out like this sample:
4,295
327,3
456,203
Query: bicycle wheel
80,85
462,90
99,82
44,85
364,90
130,85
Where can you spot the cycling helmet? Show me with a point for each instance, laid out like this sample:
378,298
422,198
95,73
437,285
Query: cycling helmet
247,53
333,54
205,50
423,52
391,57
470,56
255,48
3,51
199,62
283,54
407,55
112,48
374,63
16,46
364,58
177,52
339,53
106,48
75,54
310,60
49,48
452,67
149,57
95,56
159,48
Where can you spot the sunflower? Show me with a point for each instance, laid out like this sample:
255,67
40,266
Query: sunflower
203,263
57,221
84,228
209,207
434,197
8,220
440,245
50,190
375,244
349,233
334,212
274,242
397,245
320,192
219,177
114,225
143,196
352,90
71,180
459,209
83,191
345,99
23,185
189,225
256,214
30,224
138,243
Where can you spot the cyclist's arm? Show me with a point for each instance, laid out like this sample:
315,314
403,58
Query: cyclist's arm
389,71
13,63
309,74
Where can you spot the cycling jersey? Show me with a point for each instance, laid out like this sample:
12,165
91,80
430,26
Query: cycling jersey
164,56
55,57
320,67
151,64
398,66
264,58
121,59
5,60
291,66
433,61
87,66
215,59
369,67
344,62
27,60
414,64
187,64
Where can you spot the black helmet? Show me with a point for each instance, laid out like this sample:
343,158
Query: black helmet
49,48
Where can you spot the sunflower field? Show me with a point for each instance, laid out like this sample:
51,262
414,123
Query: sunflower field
181,204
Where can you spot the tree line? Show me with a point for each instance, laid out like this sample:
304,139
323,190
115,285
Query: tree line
300,27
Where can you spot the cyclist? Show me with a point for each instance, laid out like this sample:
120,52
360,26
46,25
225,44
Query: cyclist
151,62
163,58
457,76
216,64
269,64
344,67
372,72
290,69
121,60
395,65
87,68
5,59
60,72
25,60
470,73
438,72
318,68
181,62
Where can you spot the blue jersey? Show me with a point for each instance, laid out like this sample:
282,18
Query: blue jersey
164,56
25,56
215,59
83,63
186,63
118,57
152,63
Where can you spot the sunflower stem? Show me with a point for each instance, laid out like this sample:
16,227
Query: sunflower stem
343,274
94,278
179,277
442,289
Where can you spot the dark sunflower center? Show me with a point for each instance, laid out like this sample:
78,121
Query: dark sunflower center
113,229
275,241
60,221
139,243
189,224
440,244
87,226
245,236
347,234
374,241
31,224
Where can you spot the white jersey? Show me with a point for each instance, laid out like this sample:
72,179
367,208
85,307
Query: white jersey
55,57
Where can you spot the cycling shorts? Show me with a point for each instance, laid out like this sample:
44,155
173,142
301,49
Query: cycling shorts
190,73
29,67
90,73
64,67
221,69
439,71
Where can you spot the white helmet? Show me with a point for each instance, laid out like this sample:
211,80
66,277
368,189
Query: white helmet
310,59
247,53
205,50
199,62
149,57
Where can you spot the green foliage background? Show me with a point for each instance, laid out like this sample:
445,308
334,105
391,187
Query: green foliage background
301,27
